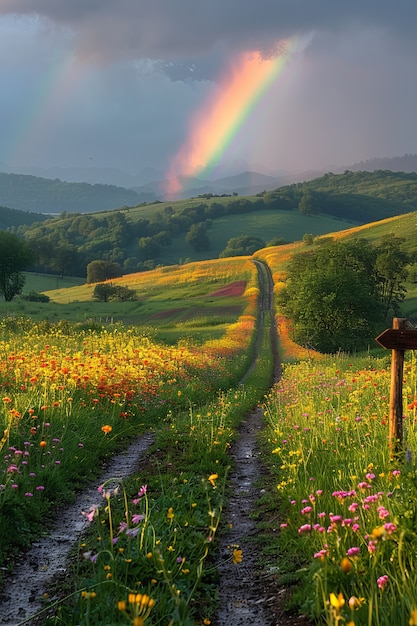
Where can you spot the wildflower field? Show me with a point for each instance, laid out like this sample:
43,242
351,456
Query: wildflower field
74,396
348,508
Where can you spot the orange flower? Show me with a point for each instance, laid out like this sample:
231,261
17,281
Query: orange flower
43,443
106,429
346,565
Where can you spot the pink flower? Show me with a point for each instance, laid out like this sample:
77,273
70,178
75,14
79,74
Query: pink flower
91,513
382,512
305,528
353,551
390,528
382,581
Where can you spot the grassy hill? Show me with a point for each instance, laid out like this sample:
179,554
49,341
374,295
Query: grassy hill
195,297
403,226
145,236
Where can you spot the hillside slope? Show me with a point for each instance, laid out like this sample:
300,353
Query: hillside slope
42,195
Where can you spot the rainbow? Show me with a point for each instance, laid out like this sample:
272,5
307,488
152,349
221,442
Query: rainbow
214,126
52,94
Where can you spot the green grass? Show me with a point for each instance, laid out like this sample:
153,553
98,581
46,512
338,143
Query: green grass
46,282
290,225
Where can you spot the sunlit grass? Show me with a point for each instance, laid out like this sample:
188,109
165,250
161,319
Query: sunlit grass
348,510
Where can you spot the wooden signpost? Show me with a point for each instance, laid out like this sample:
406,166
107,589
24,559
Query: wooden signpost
398,339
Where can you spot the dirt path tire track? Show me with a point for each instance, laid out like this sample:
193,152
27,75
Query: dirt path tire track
47,560
248,594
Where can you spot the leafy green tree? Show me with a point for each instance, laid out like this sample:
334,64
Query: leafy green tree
64,260
103,292
391,265
276,241
15,257
245,245
197,237
148,248
308,204
99,271
333,297
122,293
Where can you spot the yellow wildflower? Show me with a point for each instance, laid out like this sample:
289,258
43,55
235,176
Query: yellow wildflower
413,618
337,601
237,556
212,479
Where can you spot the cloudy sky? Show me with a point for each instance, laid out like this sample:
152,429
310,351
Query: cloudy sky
132,84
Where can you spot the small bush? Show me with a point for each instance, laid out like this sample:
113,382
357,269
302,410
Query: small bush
33,296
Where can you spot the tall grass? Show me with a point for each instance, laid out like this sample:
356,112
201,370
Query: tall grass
349,516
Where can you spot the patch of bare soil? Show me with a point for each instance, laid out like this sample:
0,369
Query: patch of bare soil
234,289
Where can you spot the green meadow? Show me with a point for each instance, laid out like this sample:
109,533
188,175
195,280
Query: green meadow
81,379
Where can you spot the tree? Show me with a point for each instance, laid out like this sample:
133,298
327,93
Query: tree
245,245
15,256
333,297
104,292
197,237
65,259
391,265
276,241
308,204
99,271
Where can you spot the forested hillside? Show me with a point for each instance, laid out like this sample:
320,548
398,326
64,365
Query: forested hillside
361,196
31,193
144,236
11,219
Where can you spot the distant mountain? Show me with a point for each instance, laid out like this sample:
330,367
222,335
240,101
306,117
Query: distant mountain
244,184
406,163
76,190
93,175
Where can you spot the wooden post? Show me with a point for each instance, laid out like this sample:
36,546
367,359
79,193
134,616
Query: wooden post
399,338
395,436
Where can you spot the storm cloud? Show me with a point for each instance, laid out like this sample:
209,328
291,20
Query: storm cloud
116,82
